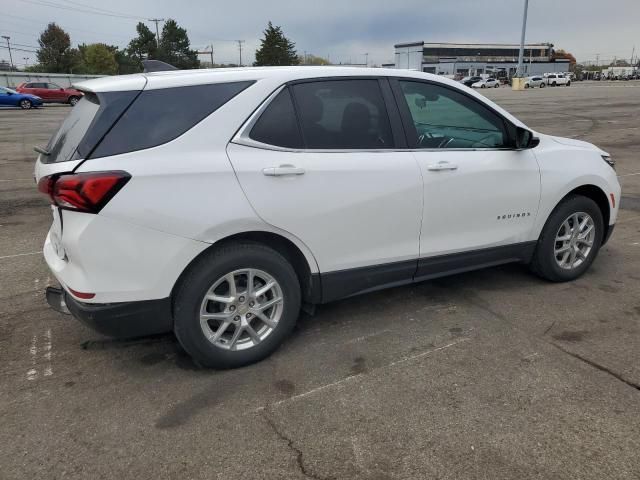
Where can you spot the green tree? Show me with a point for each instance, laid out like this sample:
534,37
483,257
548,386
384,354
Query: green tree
313,60
99,59
143,46
175,48
55,54
276,49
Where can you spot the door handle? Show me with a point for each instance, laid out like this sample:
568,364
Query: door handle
282,170
437,167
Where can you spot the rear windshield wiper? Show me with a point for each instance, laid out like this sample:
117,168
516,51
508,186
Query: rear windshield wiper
42,150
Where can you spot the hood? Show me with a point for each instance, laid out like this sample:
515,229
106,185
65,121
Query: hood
571,142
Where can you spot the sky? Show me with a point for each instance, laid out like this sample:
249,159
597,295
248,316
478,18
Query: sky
342,30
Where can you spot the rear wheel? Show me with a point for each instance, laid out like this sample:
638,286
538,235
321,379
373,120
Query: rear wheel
568,84
526,85
570,240
236,305
25,104
73,100
497,85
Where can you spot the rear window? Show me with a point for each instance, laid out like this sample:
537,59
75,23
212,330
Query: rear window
65,141
159,116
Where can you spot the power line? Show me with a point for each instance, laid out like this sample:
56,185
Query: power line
100,9
80,10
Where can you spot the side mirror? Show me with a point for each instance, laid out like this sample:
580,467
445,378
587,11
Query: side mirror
525,139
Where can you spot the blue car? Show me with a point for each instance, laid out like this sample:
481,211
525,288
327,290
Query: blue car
11,98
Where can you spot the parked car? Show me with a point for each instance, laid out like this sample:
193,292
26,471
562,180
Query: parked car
51,92
468,81
487,83
557,79
223,202
533,82
11,98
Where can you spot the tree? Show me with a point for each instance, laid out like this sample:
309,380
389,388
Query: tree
276,49
562,54
55,54
143,46
175,47
98,59
313,60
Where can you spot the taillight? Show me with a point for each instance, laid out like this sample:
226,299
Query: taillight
83,192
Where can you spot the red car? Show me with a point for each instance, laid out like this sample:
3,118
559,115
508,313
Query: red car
50,92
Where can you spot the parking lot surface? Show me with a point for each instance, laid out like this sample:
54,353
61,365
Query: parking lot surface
494,374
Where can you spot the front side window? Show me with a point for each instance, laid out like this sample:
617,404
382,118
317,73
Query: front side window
343,114
445,118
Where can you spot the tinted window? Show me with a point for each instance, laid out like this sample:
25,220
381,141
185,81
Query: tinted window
53,86
445,118
64,142
159,116
278,125
343,114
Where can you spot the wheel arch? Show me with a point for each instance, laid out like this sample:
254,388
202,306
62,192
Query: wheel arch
307,275
596,194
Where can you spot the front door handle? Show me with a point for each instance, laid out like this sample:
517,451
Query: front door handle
437,167
282,170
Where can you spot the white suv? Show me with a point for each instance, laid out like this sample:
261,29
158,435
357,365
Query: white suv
217,204
557,79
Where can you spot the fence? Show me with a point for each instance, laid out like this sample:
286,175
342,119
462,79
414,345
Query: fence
13,79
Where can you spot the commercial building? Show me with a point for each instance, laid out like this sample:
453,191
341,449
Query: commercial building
477,59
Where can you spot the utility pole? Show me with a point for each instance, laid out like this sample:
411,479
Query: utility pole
9,47
597,59
366,61
212,55
240,42
26,61
156,21
522,37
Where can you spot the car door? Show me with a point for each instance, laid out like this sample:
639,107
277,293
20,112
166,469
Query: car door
479,193
319,160
5,98
55,92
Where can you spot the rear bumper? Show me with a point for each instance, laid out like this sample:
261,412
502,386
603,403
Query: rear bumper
120,320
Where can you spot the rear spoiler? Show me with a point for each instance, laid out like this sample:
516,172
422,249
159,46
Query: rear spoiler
156,66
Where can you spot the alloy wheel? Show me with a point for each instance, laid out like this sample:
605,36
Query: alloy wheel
574,240
241,309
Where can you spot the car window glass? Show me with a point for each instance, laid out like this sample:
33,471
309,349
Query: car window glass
278,124
343,114
446,118
53,86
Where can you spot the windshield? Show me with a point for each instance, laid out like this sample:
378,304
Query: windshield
7,90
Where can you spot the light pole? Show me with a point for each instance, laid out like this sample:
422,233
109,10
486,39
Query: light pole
522,37
9,47
26,61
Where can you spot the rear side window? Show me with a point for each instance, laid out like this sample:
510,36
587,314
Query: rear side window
159,116
343,114
278,125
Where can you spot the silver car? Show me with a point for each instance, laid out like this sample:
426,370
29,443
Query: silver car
533,82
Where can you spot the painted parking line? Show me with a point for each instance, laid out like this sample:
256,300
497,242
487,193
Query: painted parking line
20,255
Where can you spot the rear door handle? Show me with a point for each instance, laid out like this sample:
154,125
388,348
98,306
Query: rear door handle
436,167
282,170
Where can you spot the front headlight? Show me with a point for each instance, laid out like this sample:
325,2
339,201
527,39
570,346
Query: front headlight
610,161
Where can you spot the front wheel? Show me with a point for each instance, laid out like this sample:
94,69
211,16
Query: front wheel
570,240
236,305
568,84
73,101
497,85
542,85
25,104
483,86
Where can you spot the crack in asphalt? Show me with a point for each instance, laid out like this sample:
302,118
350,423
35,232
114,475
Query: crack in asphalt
290,444
597,366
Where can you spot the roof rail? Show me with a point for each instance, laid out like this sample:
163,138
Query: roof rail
156,66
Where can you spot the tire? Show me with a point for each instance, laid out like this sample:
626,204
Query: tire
483,86
526,85
568,84
554,84
542,85
216,266
497,85
25,104
544,262
73,100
